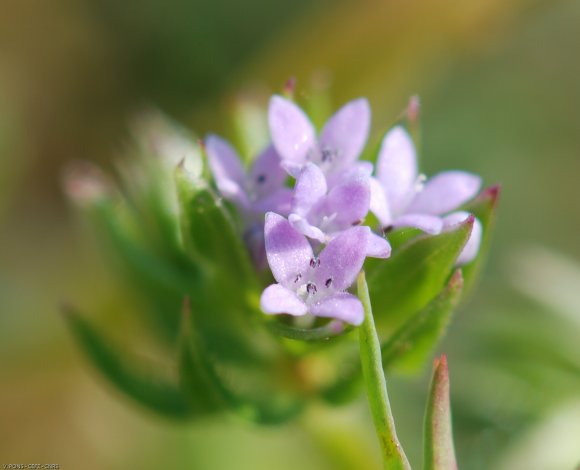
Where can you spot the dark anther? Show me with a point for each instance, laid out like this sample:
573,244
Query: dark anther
357,222
311,288
387,229
318,262
327,155
261,179
298,277
328,282
313,262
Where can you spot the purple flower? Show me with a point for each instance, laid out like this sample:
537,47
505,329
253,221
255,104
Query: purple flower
403,198
320,212
255,192
339,145
309,284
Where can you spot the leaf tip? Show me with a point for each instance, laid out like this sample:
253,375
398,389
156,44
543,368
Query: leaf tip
440,369
289,88
491,194
456,281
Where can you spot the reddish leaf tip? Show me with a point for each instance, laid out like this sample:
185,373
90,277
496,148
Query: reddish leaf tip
456,280
290,87
491,194
413,108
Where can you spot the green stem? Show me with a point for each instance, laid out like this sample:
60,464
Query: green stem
370,352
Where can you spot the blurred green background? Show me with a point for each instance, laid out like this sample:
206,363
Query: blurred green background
500,94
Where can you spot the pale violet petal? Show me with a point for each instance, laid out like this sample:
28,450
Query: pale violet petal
278,201
309,189
305,228
342,259
254,241
430,224
292,168
288,252
341,306
345,134
227,169
471,248
234,192
277,299
379,204
224,161
378,247
445,192
266,174
360,168
347,204
292,132
397,168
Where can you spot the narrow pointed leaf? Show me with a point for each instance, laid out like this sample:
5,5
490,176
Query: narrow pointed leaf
439,451
415,274
408,349
370,353
194,382
484,207
149,385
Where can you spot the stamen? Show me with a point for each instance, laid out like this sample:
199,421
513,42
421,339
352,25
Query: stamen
328,154
388,228
311,288
328,282
312,263
357,222
298,277
261,179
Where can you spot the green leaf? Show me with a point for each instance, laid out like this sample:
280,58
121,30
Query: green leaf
193,379
241,389
408,349
484,207
154,387
142,261
439,452
209,233
160,281
345,389
321,333
414,275
370,354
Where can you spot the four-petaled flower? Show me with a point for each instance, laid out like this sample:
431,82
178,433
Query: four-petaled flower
320,212
309,284
401,197
260,189
339,145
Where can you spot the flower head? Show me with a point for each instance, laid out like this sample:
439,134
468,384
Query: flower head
338,146
309,284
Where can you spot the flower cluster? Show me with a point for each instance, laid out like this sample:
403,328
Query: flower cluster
313,234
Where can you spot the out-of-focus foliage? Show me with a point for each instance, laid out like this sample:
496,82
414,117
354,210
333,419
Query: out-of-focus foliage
499,90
